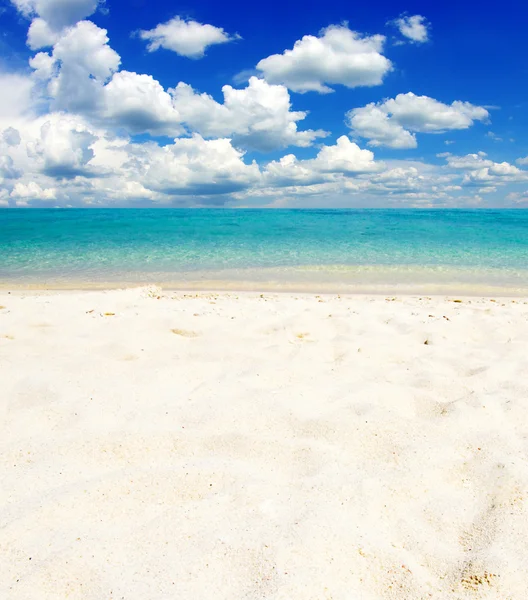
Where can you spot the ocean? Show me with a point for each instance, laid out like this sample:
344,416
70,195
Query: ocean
472,251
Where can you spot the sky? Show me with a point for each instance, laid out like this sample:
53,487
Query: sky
145,103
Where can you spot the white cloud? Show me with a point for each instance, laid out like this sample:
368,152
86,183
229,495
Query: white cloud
399,178
185,37
66,162
495,174
257,117
481,171
83,78
193,166
65,146
518,197
427,115
469,161
40,35
82,63
522,161
43,65
374,123
17,101
337,56
494,136
79,66
63,159
289,171
57,13
32,191
393,122
414,28
345,158
140,104
7,168
120,191
63,130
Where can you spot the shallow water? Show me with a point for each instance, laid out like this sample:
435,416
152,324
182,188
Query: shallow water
265,248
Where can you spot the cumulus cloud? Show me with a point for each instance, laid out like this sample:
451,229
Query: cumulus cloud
17,98
415,28
79,66
64,130
7,168
393,122
43,66
522,161
518,197
399,178
374,123
32,191
194,166
481,171
41,35
493,174
57,14
469,161
65,146
64,160
258,117
345,158
83,76
337,56
185,37
140,104
61,157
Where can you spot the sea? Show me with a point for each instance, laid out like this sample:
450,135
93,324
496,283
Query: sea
387,251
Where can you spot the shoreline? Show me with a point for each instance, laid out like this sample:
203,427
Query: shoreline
215,287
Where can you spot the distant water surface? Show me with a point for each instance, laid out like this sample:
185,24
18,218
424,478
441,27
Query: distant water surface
348,250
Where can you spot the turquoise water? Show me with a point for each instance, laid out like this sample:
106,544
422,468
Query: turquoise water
281,248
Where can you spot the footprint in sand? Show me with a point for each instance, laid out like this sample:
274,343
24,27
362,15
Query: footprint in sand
476,581
185,333
475,541
303,336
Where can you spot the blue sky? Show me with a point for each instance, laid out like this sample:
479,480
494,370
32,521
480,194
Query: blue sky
280,104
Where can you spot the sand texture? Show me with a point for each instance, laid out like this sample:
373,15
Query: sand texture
158,445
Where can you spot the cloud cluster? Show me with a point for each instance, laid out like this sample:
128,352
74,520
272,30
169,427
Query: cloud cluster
62,159
82,131
81,74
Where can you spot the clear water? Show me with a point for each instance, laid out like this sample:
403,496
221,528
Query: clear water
279,248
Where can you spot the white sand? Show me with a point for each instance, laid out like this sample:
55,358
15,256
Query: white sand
284,447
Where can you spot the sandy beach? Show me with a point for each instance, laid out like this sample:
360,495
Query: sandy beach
159,445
